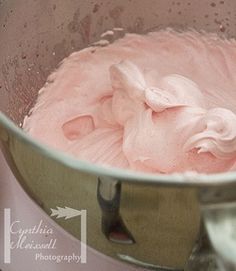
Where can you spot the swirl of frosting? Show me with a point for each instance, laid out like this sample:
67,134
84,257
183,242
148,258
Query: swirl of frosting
218,136
206,131
153,103
174,90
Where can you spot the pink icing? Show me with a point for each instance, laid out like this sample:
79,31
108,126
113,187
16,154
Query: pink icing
164,102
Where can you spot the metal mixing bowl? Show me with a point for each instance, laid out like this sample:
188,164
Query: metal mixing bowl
147,220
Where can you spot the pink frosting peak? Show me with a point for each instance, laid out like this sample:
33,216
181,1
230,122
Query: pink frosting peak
164,102
217,136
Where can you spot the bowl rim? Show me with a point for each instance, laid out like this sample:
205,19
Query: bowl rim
186,179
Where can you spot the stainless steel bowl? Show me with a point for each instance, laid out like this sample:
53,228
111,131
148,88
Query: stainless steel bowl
147,220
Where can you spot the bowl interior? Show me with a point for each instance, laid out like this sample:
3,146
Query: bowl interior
37,35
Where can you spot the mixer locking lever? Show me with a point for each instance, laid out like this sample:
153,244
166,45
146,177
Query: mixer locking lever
113,226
